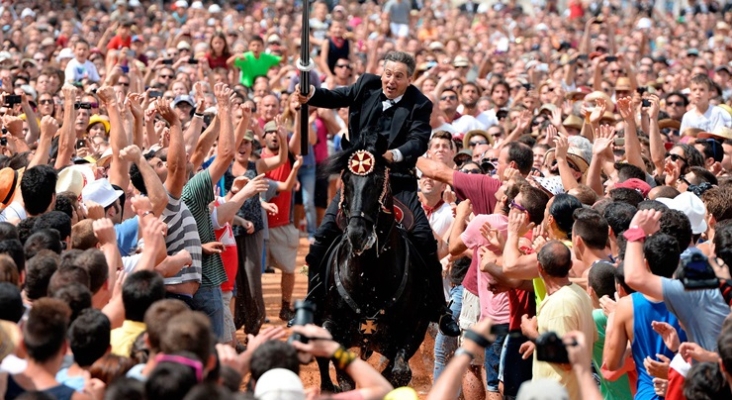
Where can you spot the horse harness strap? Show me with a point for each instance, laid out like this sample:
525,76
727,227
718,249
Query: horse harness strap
352,303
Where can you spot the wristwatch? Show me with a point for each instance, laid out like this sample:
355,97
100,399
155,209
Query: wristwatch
460,351
635,234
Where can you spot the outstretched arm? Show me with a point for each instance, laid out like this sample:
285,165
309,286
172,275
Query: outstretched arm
226,147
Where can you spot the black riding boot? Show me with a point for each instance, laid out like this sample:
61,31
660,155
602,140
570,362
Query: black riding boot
316,280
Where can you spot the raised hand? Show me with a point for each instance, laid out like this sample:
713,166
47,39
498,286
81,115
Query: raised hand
668,333
131,154
49,126
561,144
106,95
599,111
163,107
518,222
604,140
104,231
255,186
134,101
625,107
13,124
222,92
648,220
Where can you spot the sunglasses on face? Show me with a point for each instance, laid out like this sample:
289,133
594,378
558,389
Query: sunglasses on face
85,106
471,171
675,103
669,131
123,83
449,97
675,157
167,76
45,101
473,144
517,206
684,180
346,66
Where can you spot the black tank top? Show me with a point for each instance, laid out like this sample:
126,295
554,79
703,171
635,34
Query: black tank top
60,392
335,52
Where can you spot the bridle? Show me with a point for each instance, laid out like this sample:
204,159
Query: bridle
363,163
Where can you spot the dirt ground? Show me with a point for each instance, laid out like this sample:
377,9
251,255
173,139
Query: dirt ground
421,363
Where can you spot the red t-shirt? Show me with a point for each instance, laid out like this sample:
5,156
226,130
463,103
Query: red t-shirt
283,199
117,43
481,190
520,302
216,61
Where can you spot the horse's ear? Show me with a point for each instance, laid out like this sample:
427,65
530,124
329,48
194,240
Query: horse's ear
345,144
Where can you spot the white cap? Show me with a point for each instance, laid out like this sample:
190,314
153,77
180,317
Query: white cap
214,9
644,23
101,192
135,3
5,55
197,5
279,384
692,206
64,54
181,4
27,12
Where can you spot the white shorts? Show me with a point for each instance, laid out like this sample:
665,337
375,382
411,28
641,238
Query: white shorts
282,248
399,30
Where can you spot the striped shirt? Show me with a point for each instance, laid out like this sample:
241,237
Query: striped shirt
182,234
198,193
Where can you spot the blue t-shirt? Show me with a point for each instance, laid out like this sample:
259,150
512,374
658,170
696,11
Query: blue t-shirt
75,382
127,236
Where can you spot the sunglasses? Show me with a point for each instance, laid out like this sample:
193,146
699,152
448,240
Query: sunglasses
86,106
616,71
123,83
684,180
167,76
669,131
46,101
346,66
675,157
644,71
471,171
450,97
675,103
517,206
473,144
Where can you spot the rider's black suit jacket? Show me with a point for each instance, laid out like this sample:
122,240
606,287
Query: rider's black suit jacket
410,125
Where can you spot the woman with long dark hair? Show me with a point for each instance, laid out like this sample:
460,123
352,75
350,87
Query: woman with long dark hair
218,51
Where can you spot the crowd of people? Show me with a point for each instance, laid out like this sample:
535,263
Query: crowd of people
577,181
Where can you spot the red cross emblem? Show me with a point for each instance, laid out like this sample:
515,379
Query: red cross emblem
361,163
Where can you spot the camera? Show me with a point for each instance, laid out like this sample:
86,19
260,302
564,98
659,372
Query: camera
304,314
611,58
3,141
168,61
155,94
550,348
697,273
645,103
12,99
192,61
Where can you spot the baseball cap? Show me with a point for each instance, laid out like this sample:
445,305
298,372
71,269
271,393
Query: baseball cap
636,184
183,98
279,384
551,184
27,12
461,61
183,45
270,126
181,4
249,135
214,9
197,5
66,53
692,206
101,192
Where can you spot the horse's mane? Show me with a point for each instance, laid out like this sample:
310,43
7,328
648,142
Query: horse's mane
372,142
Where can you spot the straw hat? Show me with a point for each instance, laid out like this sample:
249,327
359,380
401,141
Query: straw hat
622,84
573,121
573,155
721,133
8,183
476,132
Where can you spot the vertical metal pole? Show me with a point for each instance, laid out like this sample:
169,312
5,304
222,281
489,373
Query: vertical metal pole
305,66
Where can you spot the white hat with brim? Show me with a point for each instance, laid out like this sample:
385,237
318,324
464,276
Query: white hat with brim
74,179
101,192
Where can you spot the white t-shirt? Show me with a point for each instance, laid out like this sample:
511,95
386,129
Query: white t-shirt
715,117
467,123
487,118
76,71
444,127
13,212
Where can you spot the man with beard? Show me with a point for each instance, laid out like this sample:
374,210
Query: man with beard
469,95
500,97
399,112
448,105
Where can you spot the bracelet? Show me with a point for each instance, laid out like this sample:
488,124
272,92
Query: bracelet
477,338
342,358
198,114
146,213
460,351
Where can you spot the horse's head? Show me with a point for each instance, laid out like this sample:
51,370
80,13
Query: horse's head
365,193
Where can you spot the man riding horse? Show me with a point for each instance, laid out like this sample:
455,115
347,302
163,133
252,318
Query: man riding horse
390,106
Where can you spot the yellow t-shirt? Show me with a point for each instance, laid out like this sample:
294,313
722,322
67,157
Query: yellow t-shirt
124,337
568,309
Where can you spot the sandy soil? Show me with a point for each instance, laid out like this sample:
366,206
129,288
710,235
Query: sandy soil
421,363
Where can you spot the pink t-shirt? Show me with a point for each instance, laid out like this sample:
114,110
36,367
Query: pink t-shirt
492,306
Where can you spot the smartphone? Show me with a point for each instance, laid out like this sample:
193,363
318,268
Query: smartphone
155,94
527,86
611,58
168,61
192,61
12,99
125,68
80,143
3,141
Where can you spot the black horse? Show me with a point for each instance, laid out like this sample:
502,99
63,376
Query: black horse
376,297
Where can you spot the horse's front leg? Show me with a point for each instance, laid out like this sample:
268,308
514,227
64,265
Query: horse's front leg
400,373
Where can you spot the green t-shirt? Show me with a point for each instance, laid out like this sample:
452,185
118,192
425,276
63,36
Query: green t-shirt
620,389
252,67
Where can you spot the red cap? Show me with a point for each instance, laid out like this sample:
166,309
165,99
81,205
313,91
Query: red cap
635,184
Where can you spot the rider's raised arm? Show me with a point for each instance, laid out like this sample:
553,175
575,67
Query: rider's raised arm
339,97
